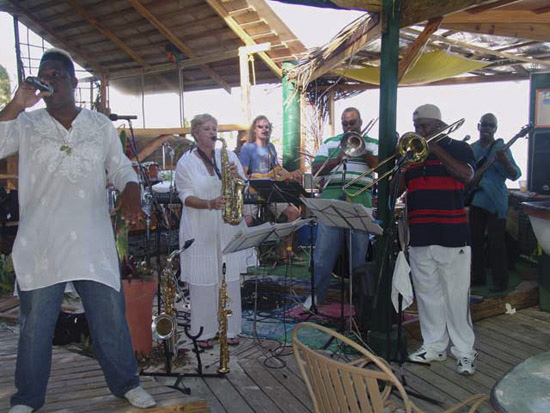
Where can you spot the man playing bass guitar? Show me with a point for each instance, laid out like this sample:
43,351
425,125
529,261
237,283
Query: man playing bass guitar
489,203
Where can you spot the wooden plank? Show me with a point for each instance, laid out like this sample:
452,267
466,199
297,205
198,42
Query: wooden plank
166,32
243,35
415,49
479,49
505,342
416,11
278,394
498,17
107,33
539,32
250,391
228,396
520,332
291,382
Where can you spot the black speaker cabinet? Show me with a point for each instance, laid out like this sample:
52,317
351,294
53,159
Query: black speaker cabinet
539,164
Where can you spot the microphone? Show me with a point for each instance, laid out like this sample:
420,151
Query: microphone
114,116
38,84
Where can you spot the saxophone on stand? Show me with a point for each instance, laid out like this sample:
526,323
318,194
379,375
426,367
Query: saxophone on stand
165,325
223,314
232,190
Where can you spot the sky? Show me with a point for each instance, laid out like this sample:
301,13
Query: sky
509,101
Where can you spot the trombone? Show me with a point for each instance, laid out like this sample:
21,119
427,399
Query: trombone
411,148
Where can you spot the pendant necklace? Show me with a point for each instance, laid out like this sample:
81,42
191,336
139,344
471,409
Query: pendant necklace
65,147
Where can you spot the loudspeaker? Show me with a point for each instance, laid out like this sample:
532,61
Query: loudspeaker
539,170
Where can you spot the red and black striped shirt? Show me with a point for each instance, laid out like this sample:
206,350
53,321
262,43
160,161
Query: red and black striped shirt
435,200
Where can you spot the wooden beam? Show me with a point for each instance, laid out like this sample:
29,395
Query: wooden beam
540,10
106,32
463,80
416,48
483,50
492,6
539,32
418,11
84,59
143,11
243,35
374,6
169,67
149,132
498,17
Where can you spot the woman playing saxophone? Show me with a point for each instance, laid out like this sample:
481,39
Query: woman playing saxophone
199,178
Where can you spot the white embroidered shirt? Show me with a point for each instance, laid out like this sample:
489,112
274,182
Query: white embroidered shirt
65,232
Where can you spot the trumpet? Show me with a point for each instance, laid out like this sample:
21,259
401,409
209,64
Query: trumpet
411,148
352,144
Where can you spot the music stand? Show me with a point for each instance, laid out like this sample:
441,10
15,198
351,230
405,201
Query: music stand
251,237
272,190
345,215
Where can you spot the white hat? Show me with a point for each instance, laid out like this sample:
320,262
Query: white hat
427,111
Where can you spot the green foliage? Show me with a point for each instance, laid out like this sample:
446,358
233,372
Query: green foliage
5,87
7,275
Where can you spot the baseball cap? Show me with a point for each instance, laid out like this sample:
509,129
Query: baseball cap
427,111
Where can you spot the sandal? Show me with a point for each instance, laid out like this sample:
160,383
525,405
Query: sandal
205,344
233,341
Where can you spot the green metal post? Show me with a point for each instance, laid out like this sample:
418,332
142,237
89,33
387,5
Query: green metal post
382,337
291,122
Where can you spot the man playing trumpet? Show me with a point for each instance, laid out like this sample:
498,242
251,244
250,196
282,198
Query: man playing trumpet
328,162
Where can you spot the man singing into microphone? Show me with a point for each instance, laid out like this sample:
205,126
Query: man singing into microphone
65,233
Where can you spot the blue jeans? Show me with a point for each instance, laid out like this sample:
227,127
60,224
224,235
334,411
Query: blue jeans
112,344
327,248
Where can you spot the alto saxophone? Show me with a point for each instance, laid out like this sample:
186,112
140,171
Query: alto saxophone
165,325
232,190
223,313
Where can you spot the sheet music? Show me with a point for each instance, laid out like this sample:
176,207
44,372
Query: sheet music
342,214
255,236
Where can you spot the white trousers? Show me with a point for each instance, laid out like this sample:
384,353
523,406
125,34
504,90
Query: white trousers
441,279
204,309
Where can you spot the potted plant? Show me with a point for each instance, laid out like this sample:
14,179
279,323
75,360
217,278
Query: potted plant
139,284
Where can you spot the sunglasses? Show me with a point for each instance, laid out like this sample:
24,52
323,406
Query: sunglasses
487,124
348,123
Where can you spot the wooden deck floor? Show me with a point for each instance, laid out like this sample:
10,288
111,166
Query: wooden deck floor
77,384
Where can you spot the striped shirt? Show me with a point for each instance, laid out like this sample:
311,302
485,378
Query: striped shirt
355,166
435,200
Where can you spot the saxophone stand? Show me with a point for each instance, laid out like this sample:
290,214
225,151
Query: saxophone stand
168,355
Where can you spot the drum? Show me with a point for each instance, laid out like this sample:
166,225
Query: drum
150,169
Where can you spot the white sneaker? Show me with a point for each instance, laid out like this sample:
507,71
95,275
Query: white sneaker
138,397
423,355
308,303
466,365
21,408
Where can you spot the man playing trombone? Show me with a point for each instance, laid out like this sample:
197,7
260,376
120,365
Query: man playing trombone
439,249
341,168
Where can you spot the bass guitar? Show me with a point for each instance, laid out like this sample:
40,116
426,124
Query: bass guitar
473,186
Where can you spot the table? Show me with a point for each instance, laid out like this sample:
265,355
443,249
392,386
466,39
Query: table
525,388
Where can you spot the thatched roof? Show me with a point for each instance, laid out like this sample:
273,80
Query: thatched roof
510,38
126,39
